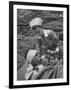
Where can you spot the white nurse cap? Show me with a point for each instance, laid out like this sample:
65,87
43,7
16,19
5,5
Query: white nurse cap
36,21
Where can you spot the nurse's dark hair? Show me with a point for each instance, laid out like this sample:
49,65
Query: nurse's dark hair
35,27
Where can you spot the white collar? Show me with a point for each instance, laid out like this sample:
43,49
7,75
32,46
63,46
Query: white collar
46,32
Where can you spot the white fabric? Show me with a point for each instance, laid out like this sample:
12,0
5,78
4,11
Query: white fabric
40,67
36,21
57,49
46,32
30,55
30,67
43,57
28,72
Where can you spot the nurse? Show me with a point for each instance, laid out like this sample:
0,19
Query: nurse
44,36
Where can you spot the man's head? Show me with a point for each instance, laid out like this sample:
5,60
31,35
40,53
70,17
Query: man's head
36,61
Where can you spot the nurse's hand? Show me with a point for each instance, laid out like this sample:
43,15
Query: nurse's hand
53,52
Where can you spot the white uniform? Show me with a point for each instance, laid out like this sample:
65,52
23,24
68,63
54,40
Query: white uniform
48,32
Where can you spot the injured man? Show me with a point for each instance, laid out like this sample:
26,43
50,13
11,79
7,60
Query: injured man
35,65
41,68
